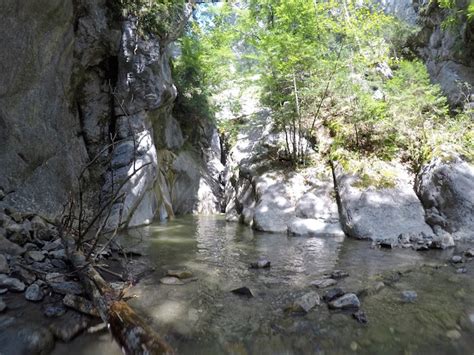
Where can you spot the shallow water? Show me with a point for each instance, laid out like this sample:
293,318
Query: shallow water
204,317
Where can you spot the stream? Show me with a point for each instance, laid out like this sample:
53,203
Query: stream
204,317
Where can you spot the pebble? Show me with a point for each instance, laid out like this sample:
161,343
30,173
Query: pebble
34,293
409,296
323,283
456,259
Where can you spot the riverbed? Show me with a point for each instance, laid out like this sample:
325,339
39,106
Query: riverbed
204,317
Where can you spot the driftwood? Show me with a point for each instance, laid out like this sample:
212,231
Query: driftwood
132,333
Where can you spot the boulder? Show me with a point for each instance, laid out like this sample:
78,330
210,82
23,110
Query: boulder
369,212
446,190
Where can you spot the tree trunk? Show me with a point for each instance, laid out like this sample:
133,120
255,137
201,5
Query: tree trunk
131,332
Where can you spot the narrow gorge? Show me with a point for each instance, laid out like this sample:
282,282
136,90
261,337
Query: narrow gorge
243,177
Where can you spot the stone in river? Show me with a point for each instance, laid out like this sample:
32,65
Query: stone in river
333,293
260,264
54,310
323,283
11,283
409,296
456,259
34,293
305,303
348,301
243,291
66,287
339,274
469,253
180,274
171,281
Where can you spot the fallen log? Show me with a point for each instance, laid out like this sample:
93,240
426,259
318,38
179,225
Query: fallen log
129,330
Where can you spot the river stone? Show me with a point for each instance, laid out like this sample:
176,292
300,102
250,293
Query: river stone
305,303
4,268
447,192
54,277
261,264
180,274
380,213
54,310
409,296
66,287
348,301
58,254
333,293
3,305
34,293
8,247
35,255
80,304
171,281
469,253
323,283
456,259
339,274
314,227
11,283
55,245
24,275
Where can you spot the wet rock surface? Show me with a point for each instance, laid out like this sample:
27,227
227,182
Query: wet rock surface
347,301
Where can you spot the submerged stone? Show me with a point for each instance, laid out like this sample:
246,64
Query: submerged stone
243,291
409,296
323,283
171,280
180,274
456,259
348,301
260,264
360,317
333,293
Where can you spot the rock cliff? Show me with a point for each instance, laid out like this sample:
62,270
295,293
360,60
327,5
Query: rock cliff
81,84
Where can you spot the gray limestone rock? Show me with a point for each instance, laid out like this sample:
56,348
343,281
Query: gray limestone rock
447,192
